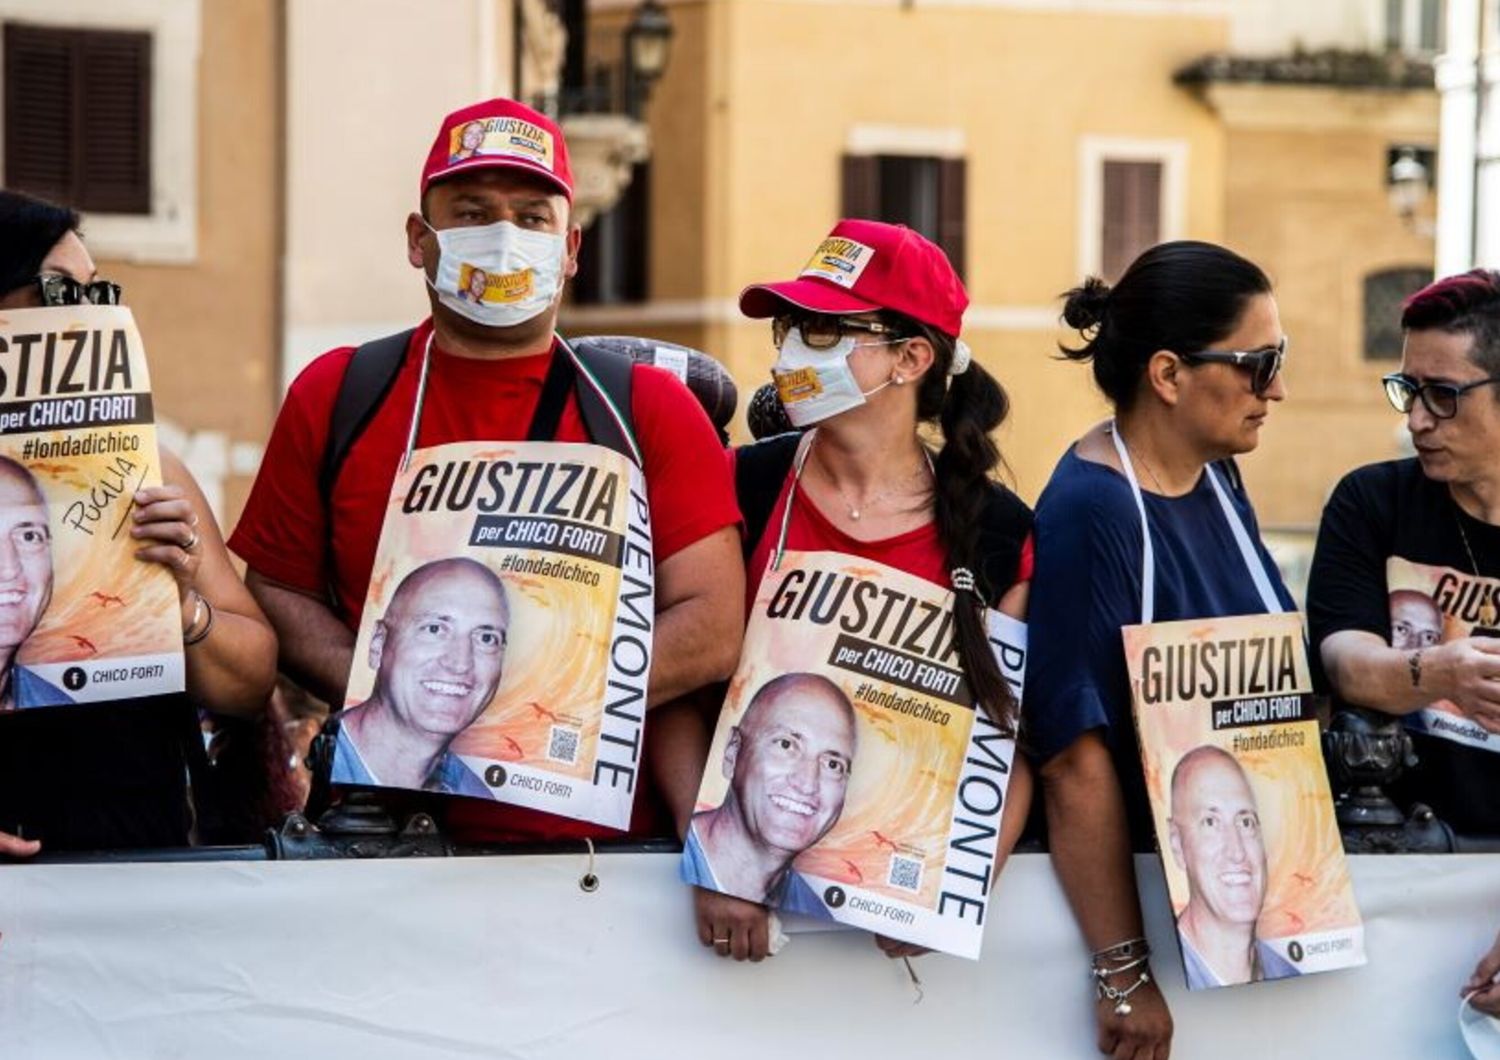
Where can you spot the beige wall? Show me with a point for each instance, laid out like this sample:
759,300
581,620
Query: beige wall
1306,199
209,325
757,108
366,87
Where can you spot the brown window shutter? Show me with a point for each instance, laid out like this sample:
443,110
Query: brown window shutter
1132,214
952,210
115,120
39,109
78,116
861,191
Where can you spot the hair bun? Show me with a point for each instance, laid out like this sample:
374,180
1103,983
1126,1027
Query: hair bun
1084,306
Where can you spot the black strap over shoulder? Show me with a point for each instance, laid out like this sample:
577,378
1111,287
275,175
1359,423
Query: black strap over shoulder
604,397
760,469
370,374
1004,526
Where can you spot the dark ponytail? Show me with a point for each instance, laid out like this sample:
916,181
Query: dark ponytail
1182,296
967,407
29,229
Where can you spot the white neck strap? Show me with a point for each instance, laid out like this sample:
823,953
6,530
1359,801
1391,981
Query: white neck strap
1253,562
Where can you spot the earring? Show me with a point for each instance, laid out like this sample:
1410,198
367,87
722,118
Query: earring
899,380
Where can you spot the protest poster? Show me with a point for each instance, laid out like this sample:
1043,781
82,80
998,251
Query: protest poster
505,643
81,618
1243,813
851,778
1433,605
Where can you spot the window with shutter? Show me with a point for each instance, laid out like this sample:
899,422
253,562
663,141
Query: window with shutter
1132,214
614,259
924,193
1385,291
78,116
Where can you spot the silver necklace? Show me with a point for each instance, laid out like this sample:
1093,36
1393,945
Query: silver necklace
1489,615
857,510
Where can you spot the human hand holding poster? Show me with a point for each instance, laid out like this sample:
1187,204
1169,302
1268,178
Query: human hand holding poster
1438,605
505,643
850,777
1243,813
81,618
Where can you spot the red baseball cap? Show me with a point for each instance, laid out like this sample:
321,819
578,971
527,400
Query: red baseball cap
499,133
867,265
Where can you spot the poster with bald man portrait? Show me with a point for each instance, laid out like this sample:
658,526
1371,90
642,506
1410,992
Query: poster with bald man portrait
1244,816
82,617
1433,605
505,643
851,778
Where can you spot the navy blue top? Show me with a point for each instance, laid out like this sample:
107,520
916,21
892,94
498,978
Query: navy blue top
1088,584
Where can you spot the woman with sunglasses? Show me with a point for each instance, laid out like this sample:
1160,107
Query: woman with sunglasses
868,359
113,775
1187,348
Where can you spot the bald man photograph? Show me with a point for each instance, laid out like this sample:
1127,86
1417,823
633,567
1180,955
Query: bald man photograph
1216,839
438,653
788,763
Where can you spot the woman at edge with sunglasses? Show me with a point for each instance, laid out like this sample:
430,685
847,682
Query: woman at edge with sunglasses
113,775
885,352
1187,348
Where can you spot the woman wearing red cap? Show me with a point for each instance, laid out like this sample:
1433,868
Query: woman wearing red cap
869,356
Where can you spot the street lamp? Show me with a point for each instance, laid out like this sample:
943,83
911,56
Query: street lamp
648,43
1408,185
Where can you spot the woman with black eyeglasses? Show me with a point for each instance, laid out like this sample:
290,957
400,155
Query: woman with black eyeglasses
868,360
113,775
1403,599
1187,347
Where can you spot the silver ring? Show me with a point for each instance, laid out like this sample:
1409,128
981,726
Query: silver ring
721,942
192,542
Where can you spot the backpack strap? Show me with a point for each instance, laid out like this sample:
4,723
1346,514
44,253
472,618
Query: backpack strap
760,470
1004,524
604,397
368,378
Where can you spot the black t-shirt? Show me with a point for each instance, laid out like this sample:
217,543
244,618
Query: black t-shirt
103,776
1391,518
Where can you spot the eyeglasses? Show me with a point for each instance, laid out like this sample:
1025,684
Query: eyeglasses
1440,399
64,290
1263,365
821,332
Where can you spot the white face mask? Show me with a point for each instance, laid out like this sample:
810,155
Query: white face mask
498,275
815,385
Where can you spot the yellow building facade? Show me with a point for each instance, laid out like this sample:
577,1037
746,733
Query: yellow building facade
766,100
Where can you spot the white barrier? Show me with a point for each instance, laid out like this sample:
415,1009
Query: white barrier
507,957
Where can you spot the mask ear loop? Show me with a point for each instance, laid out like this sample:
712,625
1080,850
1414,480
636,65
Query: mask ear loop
416,411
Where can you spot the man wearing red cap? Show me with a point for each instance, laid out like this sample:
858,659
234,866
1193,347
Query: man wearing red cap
496,197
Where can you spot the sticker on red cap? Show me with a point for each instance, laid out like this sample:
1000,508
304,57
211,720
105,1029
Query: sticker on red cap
839,260
501,138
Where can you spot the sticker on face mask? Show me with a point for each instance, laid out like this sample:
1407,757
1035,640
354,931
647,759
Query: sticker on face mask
497,288
839,261
798,385
503,137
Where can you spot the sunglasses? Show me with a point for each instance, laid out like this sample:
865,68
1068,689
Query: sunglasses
1440,399
1263,365
64,290
825,332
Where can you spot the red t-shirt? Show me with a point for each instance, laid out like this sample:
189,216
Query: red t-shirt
282,533
918,551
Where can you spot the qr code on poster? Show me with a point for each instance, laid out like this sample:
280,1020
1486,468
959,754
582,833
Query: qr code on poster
905,873
563,745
